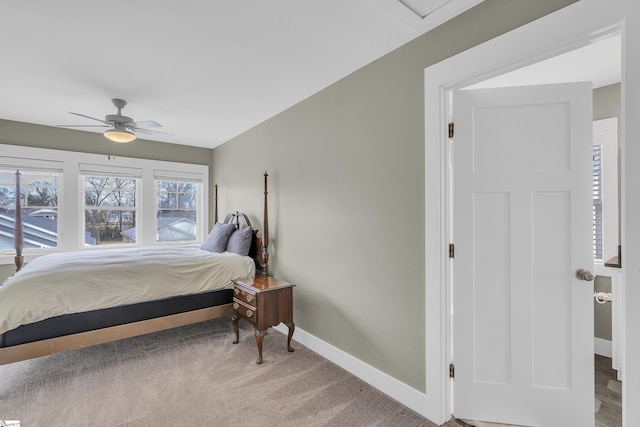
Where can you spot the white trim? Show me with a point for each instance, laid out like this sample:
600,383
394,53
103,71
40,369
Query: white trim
602,347
406,395
567,29
617,314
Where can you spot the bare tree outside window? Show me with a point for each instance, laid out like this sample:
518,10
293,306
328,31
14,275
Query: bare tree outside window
110,209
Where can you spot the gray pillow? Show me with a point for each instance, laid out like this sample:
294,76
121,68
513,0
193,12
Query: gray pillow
240,241
217,240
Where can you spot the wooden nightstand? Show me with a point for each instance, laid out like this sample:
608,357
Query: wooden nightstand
265,302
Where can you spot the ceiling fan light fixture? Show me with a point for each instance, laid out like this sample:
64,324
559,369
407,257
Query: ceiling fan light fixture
119,134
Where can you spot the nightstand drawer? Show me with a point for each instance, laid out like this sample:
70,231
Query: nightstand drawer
244,295
244,310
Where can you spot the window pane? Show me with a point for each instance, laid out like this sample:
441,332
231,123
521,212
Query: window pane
177,207
168,186
7,190
124,198
41,179
91,197
187,187
39,201
7,178
110,210
109,226
42,196
167,201
187,201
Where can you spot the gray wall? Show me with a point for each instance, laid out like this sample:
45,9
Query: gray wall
18,133
6,271
606,104
347,194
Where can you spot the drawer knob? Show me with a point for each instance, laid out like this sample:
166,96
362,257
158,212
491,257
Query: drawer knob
235,305
236,291
249,298
249,313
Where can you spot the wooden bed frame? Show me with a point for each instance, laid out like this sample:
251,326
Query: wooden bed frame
114,333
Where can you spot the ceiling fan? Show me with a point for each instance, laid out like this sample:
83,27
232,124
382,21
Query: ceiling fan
121,128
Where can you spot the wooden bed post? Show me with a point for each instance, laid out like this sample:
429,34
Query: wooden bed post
17,232
215,205
265,234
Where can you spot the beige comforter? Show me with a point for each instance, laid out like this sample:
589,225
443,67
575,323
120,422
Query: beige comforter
74,282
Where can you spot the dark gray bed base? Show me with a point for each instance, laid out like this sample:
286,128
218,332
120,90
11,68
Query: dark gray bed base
88,321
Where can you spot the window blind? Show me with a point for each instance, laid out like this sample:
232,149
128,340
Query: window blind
164,175
597,202
110,170
33,165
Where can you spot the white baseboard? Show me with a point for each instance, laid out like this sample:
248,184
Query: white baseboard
408,396
602,347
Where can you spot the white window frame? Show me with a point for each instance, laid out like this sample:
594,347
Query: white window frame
71,193
109,170
83,216
605,133
164,175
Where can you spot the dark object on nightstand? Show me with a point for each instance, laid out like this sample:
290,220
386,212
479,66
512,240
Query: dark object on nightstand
265,302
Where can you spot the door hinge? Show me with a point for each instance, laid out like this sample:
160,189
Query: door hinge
452,371
451,250
451,130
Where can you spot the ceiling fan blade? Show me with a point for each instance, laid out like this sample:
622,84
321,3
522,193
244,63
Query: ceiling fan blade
89,117
150,132
145,124
83,126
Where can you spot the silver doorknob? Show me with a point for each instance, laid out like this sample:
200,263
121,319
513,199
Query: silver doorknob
583,274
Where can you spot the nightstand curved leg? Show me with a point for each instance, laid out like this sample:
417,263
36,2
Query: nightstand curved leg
234,323
292,328
259,339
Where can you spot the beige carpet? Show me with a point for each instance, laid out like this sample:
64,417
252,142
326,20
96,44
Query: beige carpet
193,376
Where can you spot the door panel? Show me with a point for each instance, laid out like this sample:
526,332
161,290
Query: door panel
551,302
492,362
522,321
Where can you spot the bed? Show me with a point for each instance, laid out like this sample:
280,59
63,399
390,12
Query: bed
65,301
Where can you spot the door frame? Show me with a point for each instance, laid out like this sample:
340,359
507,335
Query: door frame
567,29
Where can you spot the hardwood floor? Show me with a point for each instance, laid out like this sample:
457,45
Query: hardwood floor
608,398
608,394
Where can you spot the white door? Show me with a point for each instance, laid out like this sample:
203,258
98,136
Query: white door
522,226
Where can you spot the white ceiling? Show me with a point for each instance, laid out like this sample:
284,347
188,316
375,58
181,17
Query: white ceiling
206,70
599,62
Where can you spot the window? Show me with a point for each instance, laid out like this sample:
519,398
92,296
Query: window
605,189
177,210
104,203
109,210
39,202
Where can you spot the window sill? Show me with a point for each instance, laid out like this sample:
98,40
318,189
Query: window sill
9,259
